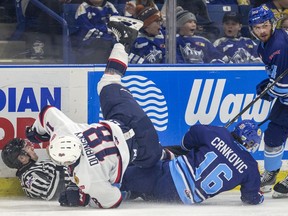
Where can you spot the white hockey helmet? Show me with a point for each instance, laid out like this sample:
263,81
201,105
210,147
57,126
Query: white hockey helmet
65,150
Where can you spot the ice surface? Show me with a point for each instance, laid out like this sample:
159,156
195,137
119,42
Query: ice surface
224,204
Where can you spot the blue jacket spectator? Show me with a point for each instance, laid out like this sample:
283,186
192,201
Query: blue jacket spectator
238,49
92,18
94,39
191,48
149,46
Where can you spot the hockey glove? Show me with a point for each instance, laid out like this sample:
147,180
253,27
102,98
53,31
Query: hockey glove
73,197
35,137
260,87
253,199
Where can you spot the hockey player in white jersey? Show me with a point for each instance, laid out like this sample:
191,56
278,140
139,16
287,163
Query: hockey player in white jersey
98,154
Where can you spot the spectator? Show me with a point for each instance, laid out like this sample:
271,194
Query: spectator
197,7
131,6
146,3
278,7
237,48
191,48
149,46
43,34
205,26
95,41
284,24
243,2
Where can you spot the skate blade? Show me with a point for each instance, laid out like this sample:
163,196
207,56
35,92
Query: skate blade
277,195
266,189
130,22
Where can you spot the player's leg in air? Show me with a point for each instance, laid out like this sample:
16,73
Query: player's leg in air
117,103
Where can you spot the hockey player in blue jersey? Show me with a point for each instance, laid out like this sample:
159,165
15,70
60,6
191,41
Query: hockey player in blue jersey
273,50
216,161
237,48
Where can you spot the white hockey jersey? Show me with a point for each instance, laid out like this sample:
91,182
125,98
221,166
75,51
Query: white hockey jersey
104,158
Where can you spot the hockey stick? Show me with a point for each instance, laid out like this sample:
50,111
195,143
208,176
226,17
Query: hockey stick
265,120
268,87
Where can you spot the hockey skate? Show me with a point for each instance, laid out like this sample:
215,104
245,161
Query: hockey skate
268,179
125,30
281,189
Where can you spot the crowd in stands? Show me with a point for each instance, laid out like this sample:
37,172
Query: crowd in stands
199,38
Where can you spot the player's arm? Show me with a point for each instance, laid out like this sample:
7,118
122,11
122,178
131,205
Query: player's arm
250,189
195,137
101,195
48,119
253,198
277,66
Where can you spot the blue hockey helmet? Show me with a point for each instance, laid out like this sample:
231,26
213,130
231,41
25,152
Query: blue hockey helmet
248,134
260,15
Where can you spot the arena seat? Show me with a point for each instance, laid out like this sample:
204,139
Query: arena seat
244,11
69,11
22,22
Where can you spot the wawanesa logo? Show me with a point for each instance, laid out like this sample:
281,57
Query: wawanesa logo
207,102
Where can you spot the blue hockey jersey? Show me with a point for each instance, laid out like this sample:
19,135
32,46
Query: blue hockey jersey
238,50
274,54
150,49
92,21
197,50
216,163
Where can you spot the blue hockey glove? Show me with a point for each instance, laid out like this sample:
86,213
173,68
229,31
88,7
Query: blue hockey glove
253,199
69,198
35,137
260,87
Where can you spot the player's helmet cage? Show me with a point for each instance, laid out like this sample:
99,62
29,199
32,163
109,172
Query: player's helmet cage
248,134
11,151
260,15
65,150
